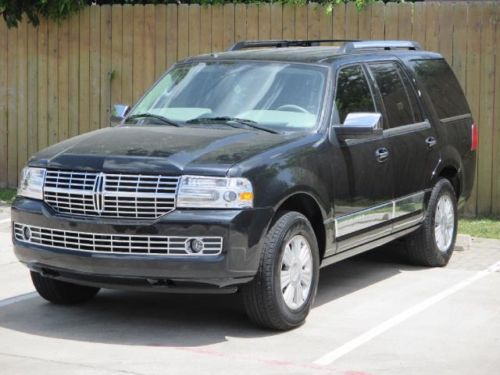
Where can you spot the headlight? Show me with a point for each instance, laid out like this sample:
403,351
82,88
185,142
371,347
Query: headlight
31,183
214,192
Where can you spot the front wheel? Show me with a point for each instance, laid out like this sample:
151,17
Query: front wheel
433,243
282,292
61,292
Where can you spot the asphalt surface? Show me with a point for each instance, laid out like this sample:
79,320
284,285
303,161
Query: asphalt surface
373,315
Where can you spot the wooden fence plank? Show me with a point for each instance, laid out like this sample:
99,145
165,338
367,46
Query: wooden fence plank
351,21
228,25
432,26
378,20
325,27
4,53
52,110
32,123
183,31
339,21
459,41
160,40
117,53
313,18
240,22
149,46
486,110
404,21
138,53
63,82
288,21
22,94
128,58
496,130
445,40
84,88
194,30
43,51
391,21
171,34
301,22
217,28
252,22
12,107
73,74
419,23
206,29
95,67
276,21
473,83
264,21
365,22
106,66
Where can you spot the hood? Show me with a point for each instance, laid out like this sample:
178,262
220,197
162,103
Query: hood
158,149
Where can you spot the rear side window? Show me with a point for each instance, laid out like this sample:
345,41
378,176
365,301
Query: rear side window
442,86
353,93
396,96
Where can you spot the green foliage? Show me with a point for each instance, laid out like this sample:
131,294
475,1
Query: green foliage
481,227
7,195
12,10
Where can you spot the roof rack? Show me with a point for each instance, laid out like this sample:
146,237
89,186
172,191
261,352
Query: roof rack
380,44
246,44
349,45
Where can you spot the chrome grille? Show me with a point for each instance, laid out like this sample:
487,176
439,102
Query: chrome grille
110,195
115,243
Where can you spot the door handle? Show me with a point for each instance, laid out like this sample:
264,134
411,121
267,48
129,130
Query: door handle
431,142
382,154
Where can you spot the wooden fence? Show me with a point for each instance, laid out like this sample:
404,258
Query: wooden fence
59,80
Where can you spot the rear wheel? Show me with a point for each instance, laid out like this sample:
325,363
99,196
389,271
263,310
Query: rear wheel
61,292
282,292
433,243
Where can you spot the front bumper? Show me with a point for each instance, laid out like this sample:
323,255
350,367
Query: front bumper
242,232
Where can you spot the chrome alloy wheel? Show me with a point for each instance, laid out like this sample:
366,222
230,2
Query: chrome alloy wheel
444,223
296,272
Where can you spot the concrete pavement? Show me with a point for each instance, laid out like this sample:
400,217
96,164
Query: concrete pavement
373,314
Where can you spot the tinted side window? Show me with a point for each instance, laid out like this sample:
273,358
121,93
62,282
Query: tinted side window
353,93
442,86
397,105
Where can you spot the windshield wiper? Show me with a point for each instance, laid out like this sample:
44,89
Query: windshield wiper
163,119
227,119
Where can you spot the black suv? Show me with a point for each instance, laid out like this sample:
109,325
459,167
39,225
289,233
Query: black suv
251,169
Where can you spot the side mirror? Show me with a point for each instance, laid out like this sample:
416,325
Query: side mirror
119,112
360,125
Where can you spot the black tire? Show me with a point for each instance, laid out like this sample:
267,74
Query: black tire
60,292
263,298
421,247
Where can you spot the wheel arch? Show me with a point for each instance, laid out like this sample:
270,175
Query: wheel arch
307,205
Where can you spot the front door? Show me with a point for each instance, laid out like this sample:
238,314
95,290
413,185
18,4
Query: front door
362,168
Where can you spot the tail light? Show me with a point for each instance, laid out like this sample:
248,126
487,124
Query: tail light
475,138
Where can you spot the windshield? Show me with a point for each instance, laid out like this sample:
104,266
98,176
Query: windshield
277,96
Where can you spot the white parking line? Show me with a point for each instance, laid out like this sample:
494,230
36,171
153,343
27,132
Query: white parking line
5,221
348,347
15,299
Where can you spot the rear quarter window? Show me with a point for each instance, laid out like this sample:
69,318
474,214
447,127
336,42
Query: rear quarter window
442,86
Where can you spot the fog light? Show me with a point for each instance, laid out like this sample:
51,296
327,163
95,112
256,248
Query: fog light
27,233
195,245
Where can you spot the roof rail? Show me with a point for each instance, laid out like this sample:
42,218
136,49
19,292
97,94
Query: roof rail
284,43
380,44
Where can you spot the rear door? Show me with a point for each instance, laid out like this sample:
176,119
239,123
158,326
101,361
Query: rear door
410,137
